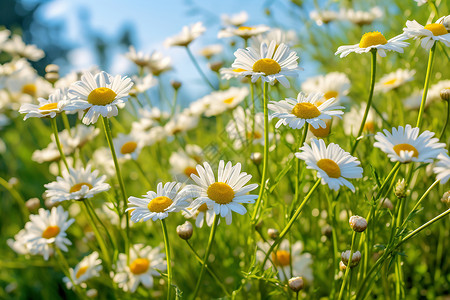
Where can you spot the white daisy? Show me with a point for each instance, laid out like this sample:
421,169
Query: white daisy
361,18
406,145
186,36
240,128
375,40
99,94
235,19
211,50
224,195
16,47
182,165
220,101
201,215
244,32
324,16
352,121
332,85
47,229
429,33
19,243
271,63
394,80
77,184
141,59
127,146
142,84
157,206
442,169
305,109
278,35
46,108
145,263
159,63
332,164
79,135
181,123
87,268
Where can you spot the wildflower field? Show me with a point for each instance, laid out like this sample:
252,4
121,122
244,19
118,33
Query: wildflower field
270,185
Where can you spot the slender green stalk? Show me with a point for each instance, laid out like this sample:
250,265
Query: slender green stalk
298,168
347,270
290,223
373,70
194,61
442,135
332,215
262,187
174,103
205,257
420,200
96,218
427,84
58,143
65,268
168,258
122,185
66,122
17,197
139,167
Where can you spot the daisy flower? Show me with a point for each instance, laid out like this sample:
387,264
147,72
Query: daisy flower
183,166
224,195
442,169
159,63
79,135
181,123
361,18
141,59
394,80
305,109
324,16
240,128
221,101
142,84
201,215
406,145
352,121
99,95
87,268
127,146
284,256
332,164
16,47
211,50
157,206
235,19
429,33
271,63
374,40
145,263
77,184
278,35
332,85
48,228
186,36
244,32
46,107
19,243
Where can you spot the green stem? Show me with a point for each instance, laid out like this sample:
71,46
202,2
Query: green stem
174,103
17,197
205,257
427,84
420,200
297,170
168,258
347,270
65,268
58,144
194,61
441,136
373,70
141,170
66,122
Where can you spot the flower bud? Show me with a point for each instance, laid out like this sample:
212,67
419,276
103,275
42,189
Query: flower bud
273,233
356,257
296,283
446,198
175,84
342,266
445,94
13,181
400,189
215,66
52,77
357,223
32,204
185,231
52,68
387,204
256,157
91,293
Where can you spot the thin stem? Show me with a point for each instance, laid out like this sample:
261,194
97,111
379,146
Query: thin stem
427,84
66,122
347,270
174,103
141,170
120,179
297,170
205,257
194,61
58,144
441,136
168,258
17,196
373,70
262,187
65,268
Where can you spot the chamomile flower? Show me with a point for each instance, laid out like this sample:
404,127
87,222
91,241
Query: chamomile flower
224,195
429,34
186,36
305,109
211,50
352,121
241,130
278,35
157,206
361,18
99,94
46,229
142,84
201,215
324,16
127,146
221,101
332,85
182,165
332,164
87,268
394,80
46,107
244,32
442,169
235,19
77,184
141,59
19,243
145,263
181,123
159,63
406,145
271,63
374,40
16,47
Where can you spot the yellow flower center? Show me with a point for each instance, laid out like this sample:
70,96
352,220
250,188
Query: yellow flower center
188,171
406,147
305,110
246,28
372,39
436,29
330,167
320,132
239,70
29,89
220,192
267,66
78,187
101,96
390,82
281,258
128,147
49,106
203,207
254,135
159,204
139,266
81,271
369,126
50,232
330,94
228,100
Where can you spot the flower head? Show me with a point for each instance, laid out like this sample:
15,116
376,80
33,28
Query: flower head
394,80
429,34
332,85
87,268
186,36
244,32
46,108
242,130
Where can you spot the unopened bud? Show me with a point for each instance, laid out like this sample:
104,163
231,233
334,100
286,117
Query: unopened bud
387,204
50,204
446,198
327,230
92,293
175,84
52,68
32,204
296,283
356,257
400,189
185,231
357,223
445,94
215,66
342,266
52,77
256,157
273,233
